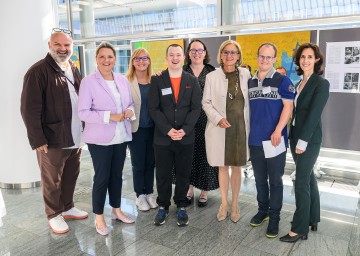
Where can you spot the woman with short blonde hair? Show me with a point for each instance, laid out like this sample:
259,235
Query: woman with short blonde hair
226,104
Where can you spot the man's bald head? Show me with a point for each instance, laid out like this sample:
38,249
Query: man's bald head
60,46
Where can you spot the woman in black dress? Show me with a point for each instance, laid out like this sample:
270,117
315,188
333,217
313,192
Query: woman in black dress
203,176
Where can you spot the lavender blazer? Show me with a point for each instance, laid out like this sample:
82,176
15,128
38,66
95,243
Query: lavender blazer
95,97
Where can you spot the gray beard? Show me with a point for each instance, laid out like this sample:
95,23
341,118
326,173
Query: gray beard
59,59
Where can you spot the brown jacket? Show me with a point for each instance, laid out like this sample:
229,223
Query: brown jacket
46,105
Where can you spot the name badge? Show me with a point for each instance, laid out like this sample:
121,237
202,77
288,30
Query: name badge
166,91
266,90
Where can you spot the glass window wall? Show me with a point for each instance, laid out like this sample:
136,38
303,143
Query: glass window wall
92,19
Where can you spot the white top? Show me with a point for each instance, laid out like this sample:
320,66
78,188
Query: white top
300,144
76,126
121,135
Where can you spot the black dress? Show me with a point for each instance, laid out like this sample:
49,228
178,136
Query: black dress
203,176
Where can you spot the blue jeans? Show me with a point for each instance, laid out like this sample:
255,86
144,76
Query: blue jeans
268,174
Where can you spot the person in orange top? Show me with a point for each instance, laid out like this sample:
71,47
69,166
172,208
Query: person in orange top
175,84
174,103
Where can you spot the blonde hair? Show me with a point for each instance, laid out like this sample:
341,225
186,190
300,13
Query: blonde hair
131,72
226,43
107,46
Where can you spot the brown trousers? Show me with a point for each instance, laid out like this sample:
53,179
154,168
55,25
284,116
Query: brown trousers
59,171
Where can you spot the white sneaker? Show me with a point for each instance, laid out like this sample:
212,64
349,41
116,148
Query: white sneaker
58,225
75,214
142,203
151,201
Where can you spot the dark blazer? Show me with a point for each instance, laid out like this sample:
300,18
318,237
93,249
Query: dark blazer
307,113
168,114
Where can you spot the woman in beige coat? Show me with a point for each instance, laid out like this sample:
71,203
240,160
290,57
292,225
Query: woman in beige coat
226,105
141,146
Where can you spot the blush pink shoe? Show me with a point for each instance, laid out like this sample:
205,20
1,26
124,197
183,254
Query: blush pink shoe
125,219
102,231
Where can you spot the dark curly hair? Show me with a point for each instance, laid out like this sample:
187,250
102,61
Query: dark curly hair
318,67
187,57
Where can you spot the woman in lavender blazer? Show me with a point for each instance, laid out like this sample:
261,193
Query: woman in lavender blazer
105,105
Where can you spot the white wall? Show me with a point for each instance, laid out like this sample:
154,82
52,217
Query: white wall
25,27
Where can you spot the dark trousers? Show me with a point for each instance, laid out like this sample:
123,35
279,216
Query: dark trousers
306,189
59,171
268,174
167,157
108,162
143,160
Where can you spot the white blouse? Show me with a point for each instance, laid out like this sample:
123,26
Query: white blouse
121,135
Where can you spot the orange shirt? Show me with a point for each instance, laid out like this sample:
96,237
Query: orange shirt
175,83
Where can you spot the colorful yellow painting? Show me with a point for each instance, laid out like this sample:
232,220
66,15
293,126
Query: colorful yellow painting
157,51
286,43
75,57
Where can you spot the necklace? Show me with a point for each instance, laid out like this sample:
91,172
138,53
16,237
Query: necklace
236,91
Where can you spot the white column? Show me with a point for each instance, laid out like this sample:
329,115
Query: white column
87,26
25,28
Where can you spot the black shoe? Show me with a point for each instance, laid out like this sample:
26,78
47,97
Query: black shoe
293,239
182,217
272,229
259,219
313,227
202,202
161,216
189,200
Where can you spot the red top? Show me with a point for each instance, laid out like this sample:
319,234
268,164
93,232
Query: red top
175,83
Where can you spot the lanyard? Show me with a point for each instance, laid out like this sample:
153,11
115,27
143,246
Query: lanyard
63,74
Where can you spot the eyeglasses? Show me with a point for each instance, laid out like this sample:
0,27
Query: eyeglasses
267,58
232,53
66,31
144,58
199,51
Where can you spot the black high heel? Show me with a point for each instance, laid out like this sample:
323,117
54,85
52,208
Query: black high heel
190,200
313,227
293,239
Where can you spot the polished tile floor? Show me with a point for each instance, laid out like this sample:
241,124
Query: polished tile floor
26,232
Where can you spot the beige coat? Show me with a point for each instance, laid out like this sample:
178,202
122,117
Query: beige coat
214,105
136,97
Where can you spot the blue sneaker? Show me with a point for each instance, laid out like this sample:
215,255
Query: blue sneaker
161,216
182,217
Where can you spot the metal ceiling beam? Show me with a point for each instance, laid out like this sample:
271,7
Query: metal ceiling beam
254,28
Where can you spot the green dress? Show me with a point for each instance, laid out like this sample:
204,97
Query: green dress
235,136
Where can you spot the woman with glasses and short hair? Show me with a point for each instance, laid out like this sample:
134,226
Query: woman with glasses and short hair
203,176
106,106
226,105
141,146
